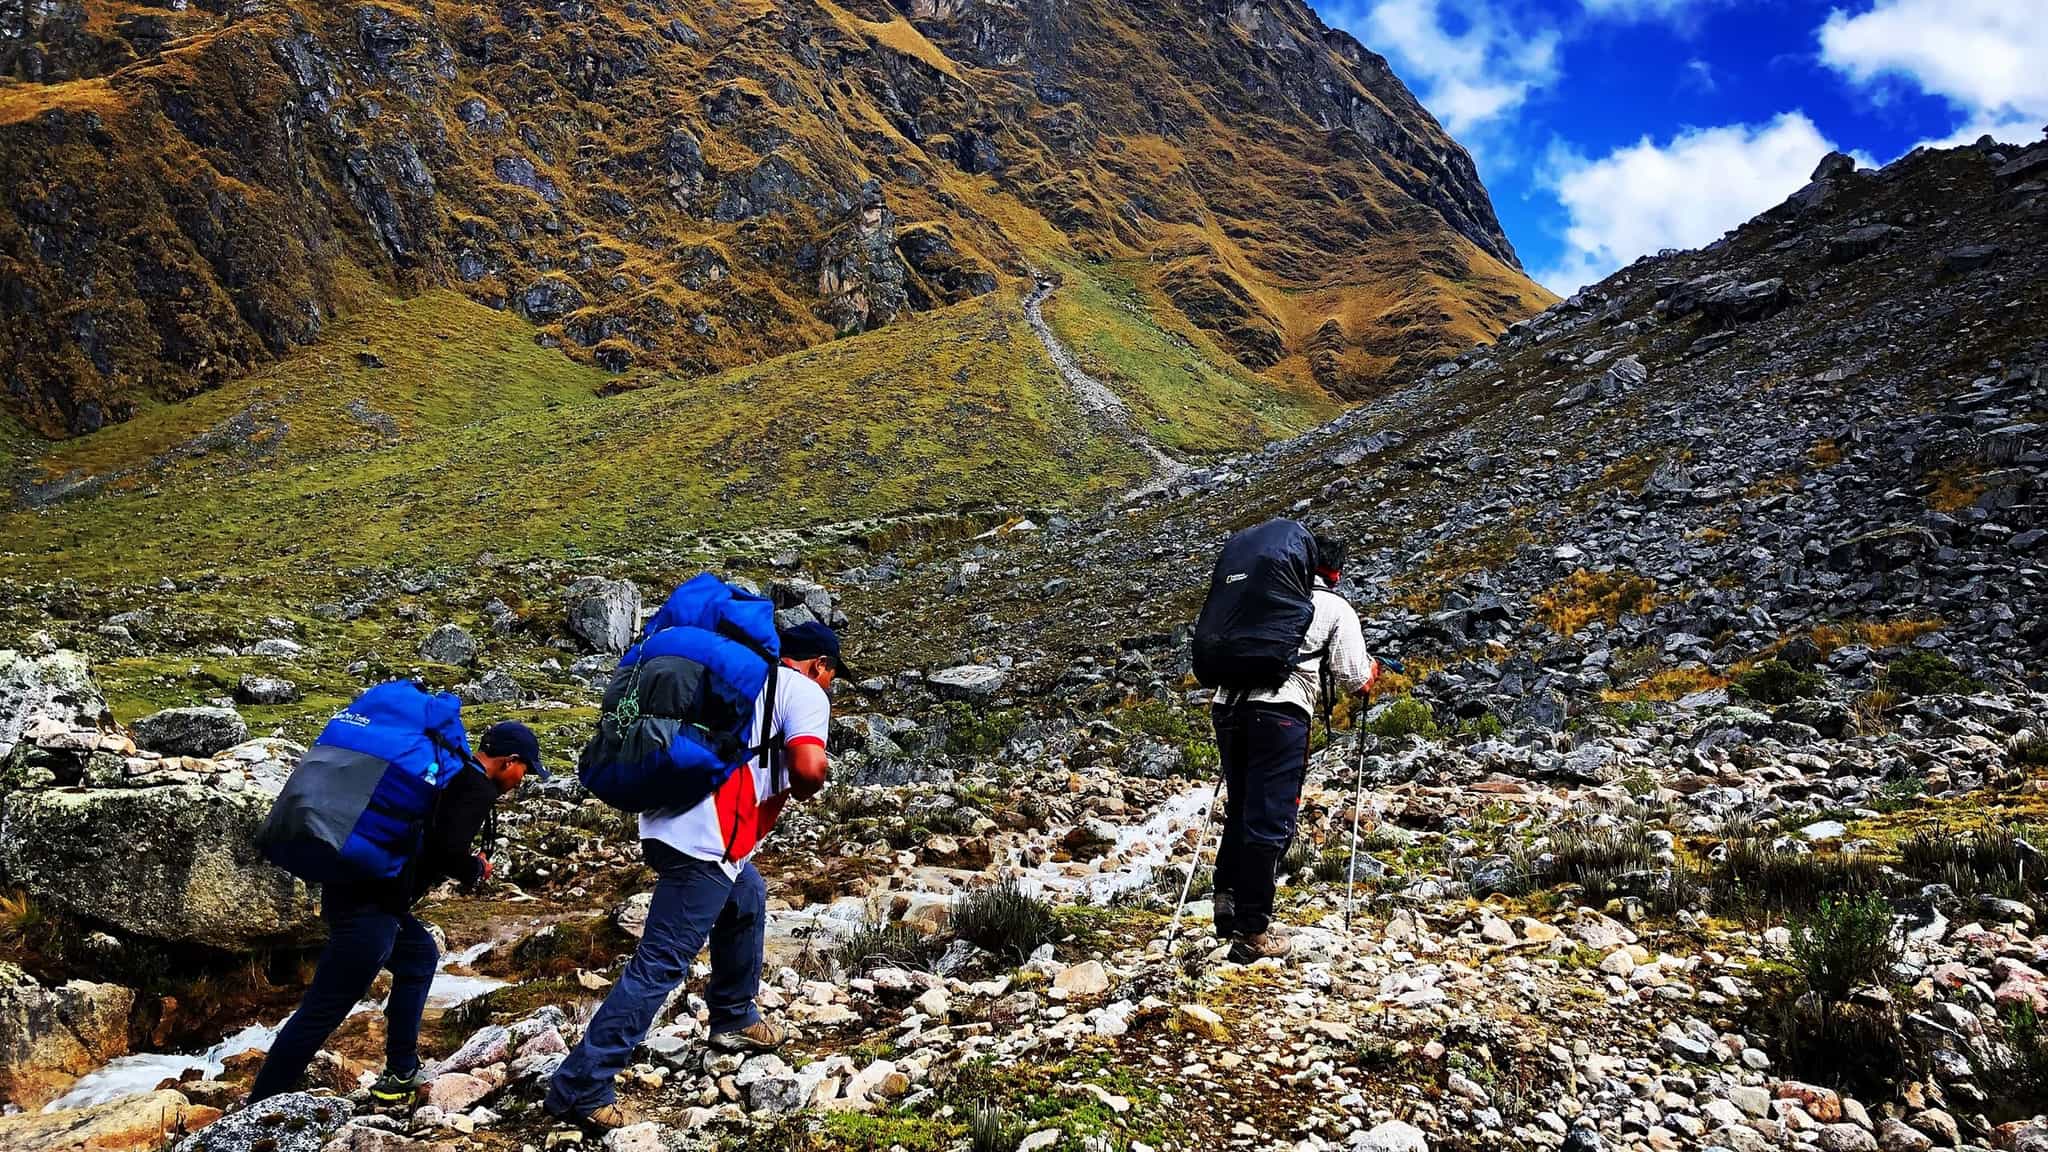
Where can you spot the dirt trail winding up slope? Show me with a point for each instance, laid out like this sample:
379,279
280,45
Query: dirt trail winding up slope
1095,396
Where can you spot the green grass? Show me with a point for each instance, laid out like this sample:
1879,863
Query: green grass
1183,394
948,409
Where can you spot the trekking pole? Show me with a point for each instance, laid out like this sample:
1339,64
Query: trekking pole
1357,810
1358,805
1195,865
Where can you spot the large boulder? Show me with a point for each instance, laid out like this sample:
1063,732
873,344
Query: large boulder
59,686
49,1037
604,614
134,1124
191,731
176,864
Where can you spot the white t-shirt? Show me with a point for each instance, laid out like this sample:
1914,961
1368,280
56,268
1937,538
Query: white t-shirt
726,826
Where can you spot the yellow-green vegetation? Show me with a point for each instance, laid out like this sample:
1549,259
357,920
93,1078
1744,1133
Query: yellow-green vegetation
1584,597
1180,389
1878,634
396,371
1669,684
948,409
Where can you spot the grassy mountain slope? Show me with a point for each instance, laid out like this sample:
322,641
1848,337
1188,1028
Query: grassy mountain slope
470,438
685,188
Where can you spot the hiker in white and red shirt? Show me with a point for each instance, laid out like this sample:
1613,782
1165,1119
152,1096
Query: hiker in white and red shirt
708,888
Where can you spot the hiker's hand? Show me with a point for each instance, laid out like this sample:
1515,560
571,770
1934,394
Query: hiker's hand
1372,677
483,868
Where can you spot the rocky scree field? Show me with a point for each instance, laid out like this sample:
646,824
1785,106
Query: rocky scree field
1705,815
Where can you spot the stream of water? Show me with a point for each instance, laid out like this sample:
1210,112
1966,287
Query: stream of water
141,1072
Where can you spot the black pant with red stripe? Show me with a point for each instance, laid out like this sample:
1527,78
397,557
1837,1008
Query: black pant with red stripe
1264,750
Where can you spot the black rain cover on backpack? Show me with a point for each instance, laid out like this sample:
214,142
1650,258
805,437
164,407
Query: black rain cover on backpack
1260,604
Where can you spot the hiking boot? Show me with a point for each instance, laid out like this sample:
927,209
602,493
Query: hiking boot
1246,949
760,1036
601,1120
396,1088
1225,915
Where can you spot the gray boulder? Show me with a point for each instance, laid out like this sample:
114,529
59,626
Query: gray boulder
265,690
449,644
59,685
191,731
604,614
973,683
177,864
49,1037
292,1122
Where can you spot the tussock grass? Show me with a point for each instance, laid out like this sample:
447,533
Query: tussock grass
1584,597
1004,919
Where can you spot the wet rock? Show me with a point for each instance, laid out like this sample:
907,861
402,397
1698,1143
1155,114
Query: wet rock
51,1036
136,1124
200,731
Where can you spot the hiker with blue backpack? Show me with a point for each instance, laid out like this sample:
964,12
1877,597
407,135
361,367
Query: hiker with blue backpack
711,724
1272,625
382,808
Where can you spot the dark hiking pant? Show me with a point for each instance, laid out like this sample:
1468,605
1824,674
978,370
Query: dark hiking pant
694,901
1264,750
361,941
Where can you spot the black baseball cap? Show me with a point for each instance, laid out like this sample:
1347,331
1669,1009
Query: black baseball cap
812,640
511,738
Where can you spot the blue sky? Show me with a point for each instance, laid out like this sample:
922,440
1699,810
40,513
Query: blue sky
1607,129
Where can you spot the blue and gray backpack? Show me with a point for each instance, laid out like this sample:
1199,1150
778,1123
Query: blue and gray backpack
357,806
679,712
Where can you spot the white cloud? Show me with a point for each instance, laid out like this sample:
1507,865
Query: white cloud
1472,64
1698,76
1984,57
1682,194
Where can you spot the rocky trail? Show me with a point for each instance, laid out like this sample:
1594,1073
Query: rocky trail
1096,398
1709,813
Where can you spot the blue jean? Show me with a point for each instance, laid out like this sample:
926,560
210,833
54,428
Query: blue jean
360,941
693,900
1264,750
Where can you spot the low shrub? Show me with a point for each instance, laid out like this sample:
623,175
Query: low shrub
972,731
1844,944
1405,716
1928,674
1005,920
2029,749
1776,682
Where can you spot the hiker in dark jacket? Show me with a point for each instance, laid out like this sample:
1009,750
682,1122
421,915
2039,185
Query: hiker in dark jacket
1262,740
370,927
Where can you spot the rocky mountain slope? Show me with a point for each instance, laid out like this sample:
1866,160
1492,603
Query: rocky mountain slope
195,190
1707,814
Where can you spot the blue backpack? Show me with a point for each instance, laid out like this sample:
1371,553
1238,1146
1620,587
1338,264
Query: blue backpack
679,712
356,807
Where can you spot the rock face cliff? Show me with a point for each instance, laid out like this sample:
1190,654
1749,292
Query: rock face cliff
193,190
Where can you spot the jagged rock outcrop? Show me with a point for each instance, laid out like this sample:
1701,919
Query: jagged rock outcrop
195,191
